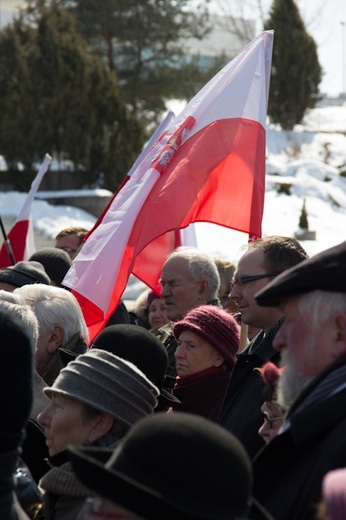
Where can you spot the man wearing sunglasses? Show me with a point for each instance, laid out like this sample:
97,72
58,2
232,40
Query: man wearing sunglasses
263,260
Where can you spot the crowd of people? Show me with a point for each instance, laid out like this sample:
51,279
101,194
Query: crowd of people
220,398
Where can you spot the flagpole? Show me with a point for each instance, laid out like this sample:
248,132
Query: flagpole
7,243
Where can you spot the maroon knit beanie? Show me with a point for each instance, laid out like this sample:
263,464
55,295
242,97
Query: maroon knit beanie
153,296
216,326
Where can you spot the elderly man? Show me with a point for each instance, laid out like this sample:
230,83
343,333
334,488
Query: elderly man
189,279
61,326
262,261
312,342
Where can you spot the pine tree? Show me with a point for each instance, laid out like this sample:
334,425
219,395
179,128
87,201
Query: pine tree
142,41
296,72
56,97
303,219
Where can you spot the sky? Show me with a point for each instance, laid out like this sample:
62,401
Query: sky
308,159
322,18
323,21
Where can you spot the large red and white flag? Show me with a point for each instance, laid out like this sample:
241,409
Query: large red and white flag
21,235
209,166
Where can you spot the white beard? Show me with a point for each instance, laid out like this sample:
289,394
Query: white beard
290,384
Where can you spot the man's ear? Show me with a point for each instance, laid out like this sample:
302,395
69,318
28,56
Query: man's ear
203,290
339,347
55,339
100,427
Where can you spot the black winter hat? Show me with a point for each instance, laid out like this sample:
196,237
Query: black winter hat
55,261
325,272
142,348
16,379
172,466
24,273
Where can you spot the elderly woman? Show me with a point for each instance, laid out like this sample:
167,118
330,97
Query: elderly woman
208,340
94,401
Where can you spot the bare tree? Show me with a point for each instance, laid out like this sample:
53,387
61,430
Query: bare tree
240,16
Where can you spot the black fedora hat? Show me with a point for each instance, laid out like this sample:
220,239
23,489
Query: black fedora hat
136,344
24,273
171,466
325,271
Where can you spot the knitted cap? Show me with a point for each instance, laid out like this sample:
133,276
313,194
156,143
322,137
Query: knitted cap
24,273
153,296
216,326
55,261
109,384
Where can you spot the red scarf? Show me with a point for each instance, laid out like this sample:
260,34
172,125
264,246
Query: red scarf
202,393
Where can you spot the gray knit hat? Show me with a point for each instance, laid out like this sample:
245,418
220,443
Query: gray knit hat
109,384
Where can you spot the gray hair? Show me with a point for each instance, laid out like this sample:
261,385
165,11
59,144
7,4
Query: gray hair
54,305
201,266
320,306
10,297
25,314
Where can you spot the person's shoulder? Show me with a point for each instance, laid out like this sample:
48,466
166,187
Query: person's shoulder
165,331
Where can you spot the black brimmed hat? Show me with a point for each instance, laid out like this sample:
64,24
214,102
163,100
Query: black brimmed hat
143,349
325,272
172,466
24,273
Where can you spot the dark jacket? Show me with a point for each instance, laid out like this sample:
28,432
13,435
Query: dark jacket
289,471
241,411
10,508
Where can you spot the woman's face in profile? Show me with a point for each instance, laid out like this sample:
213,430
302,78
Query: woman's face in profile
64,424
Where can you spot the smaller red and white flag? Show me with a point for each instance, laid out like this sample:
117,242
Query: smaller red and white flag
21,235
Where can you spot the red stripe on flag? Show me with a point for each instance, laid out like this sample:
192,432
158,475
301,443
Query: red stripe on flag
17,238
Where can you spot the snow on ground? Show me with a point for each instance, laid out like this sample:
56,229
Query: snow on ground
306,163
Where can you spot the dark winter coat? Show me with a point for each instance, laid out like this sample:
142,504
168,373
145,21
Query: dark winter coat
10,508
241,411
289,471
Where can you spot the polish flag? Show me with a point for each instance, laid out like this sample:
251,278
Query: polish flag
209,167
146,155
21,236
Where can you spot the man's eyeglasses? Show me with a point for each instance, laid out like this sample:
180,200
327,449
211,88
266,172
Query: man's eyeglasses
243,280
271,420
